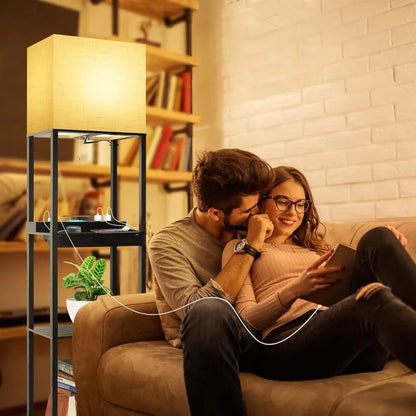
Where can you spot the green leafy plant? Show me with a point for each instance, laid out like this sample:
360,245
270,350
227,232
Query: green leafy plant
87,282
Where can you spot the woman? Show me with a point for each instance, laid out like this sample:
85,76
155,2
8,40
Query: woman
356,334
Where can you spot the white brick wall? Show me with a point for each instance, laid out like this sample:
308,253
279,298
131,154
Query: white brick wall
328,86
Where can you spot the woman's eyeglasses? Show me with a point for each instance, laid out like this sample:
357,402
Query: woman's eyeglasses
283,203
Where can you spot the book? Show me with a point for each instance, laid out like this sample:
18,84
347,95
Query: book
67,387
344,255
162,148
177,103
62,405
131,153
186,92
173,81
161,89
157,134
178,152
65,365
151,94
185,161
66,376
66,381
72,406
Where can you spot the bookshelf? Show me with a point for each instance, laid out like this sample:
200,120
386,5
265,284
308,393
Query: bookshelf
158,9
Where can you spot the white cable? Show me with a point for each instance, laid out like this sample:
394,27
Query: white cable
116,220
188,304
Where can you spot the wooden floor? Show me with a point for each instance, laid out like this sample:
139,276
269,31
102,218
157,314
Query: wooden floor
21,411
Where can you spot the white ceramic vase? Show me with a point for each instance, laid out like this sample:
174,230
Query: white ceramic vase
73,306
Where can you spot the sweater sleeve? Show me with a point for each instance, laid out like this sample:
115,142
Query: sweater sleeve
260,315
176,276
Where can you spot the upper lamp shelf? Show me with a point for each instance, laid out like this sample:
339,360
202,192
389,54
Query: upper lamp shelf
158,9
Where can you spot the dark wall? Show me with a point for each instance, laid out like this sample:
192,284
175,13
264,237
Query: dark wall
23,23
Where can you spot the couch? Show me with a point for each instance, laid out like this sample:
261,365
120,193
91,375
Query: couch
123,366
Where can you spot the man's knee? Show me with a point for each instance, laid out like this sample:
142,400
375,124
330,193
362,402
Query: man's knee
208,318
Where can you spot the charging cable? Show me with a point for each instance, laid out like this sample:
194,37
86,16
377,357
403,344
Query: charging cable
188,304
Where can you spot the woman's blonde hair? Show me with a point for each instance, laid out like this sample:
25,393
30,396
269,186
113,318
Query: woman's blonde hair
311,233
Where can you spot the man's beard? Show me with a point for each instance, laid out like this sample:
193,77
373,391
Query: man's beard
233,227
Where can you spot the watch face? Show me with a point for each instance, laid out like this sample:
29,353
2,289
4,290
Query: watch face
239,246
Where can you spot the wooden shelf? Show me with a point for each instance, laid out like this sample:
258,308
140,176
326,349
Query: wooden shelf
158,9
40,247
13,332
156,116
158,59
82,170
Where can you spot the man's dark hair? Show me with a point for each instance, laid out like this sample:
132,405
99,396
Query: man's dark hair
221,178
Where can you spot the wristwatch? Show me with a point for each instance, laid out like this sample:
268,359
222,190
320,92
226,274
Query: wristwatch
243,247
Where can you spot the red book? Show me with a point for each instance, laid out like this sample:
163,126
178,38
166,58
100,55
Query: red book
160,154
62,405
178,151
186,92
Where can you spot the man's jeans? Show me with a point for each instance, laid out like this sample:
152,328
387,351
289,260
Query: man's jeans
351,336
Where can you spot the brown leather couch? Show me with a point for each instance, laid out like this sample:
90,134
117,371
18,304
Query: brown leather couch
123,366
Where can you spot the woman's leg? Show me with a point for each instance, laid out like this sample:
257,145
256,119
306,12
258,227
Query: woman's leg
330,342
381,257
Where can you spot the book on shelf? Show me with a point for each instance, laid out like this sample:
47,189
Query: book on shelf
66,386
65,366
160,90
171,161
152,86
185,161
177,102
154,143
63,404
186,92
131,153
167,133
171,91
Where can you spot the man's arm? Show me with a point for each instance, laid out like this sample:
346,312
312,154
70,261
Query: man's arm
175,270
237,266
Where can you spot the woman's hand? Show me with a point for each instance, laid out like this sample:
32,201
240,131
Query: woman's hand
313,278
398,234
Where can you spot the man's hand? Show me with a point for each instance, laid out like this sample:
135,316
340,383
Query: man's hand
398,234
260,227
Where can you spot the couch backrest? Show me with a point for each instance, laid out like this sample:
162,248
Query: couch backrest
351,232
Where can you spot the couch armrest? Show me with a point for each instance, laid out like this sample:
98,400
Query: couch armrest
101,325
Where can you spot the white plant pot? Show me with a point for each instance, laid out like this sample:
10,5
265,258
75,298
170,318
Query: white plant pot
73,306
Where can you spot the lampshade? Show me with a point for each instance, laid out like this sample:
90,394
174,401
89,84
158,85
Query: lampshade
86,84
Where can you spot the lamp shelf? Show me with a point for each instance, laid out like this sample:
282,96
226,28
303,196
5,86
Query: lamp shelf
20,331
82,170
158,9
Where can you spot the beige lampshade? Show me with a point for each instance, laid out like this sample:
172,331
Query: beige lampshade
86,84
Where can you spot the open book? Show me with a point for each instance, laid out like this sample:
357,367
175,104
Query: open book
343,256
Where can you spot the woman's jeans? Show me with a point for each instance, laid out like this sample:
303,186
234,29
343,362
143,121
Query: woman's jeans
351,336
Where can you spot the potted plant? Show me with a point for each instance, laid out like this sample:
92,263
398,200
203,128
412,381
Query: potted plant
87,283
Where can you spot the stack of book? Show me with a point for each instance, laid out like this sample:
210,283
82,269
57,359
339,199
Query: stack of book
66,375
169,90
66,404
165,149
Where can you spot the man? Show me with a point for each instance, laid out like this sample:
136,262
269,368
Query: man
186,259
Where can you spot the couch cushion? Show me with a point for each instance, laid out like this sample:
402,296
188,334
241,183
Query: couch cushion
144,376
148,377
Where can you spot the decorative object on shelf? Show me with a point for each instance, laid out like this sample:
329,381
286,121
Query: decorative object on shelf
87,283
145,28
